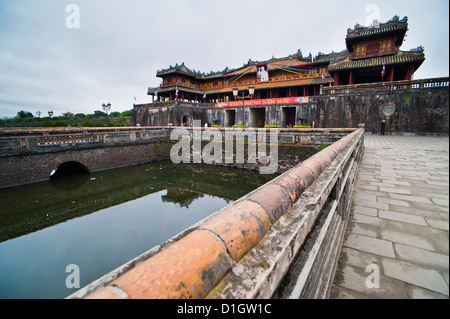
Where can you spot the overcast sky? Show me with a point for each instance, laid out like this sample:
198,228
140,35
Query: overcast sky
51,60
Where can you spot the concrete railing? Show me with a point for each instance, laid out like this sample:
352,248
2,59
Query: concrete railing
245,249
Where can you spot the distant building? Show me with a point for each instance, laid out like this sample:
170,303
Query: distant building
68,114
372,55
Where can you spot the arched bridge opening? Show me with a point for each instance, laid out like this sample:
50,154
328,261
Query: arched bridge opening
69,175
69,169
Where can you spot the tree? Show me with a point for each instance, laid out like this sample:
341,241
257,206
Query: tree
22,114
128,113
98,124
87,124
99,113
60,123
80,116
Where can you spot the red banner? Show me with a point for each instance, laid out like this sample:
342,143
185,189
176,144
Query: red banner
281,100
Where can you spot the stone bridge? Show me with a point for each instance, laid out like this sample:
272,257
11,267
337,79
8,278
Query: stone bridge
33,155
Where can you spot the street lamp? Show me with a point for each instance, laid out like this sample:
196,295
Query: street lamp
251,91
106,108
38,113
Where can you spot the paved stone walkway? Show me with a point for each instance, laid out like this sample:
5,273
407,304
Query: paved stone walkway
397,240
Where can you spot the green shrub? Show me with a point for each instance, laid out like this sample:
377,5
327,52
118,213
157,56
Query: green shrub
60,123
87,124
98,124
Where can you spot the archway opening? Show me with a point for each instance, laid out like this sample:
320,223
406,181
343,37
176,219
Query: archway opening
187,120
70,169
69,175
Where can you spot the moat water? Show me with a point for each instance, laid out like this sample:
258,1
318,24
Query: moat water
100,221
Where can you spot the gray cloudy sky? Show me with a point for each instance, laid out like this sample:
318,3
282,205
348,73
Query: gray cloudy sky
120,44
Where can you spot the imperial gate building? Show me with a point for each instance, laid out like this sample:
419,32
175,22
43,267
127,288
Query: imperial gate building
283,91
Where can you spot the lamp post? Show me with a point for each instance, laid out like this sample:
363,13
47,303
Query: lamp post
106,108
50,113
38,113
251,91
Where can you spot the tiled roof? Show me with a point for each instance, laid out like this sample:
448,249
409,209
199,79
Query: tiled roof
391,26
360,33
173,88
295,59
402,57
331,57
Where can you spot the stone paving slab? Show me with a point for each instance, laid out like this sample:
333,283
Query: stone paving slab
398,231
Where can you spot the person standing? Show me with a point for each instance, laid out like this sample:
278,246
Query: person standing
383,127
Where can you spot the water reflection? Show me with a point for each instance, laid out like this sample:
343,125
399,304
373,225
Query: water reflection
104,220
71,182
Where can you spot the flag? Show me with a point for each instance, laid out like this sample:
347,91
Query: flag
204,95
176,93
156,94
383,71
323,76
135,98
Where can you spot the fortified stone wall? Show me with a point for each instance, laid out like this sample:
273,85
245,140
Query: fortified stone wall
177,114
414,111
423,111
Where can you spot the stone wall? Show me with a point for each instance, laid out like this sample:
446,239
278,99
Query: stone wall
423,111
176,113
415,111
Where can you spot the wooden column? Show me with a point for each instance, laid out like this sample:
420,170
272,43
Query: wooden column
336,79
391,74
410,72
